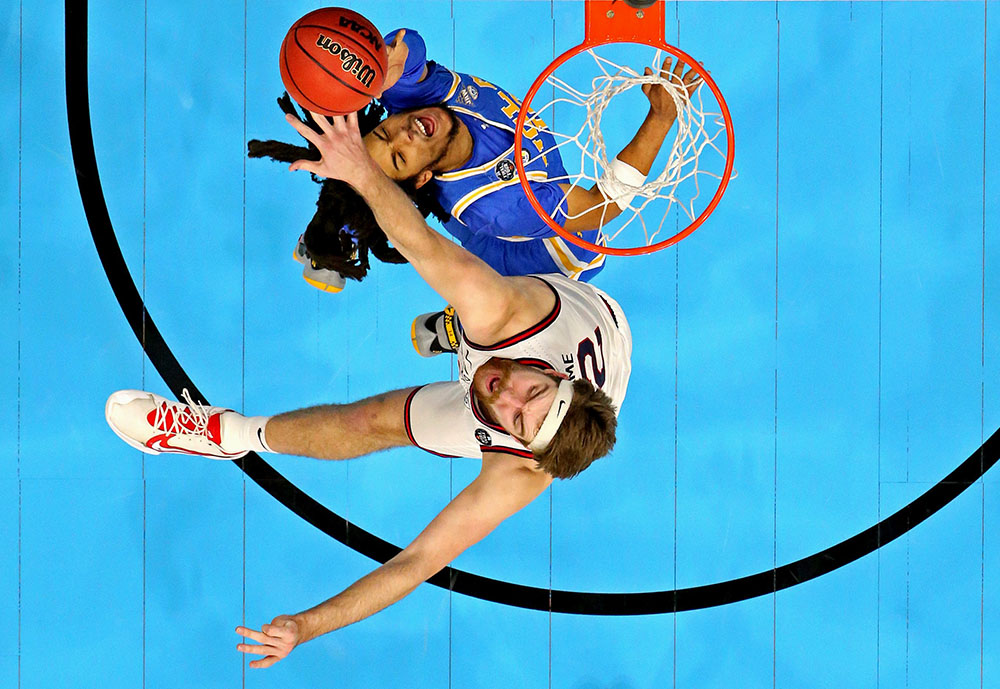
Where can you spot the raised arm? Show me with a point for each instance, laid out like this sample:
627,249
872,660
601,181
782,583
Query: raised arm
503,487
406,65
488,303
411,79
639,154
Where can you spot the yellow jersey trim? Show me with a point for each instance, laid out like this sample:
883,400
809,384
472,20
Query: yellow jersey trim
469,172
480,192
568,263
455,81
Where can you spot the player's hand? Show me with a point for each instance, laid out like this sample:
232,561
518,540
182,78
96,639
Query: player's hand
398,51
661,103
274,641
344,155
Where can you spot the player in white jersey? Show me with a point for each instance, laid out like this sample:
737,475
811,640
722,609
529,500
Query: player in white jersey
585,335
548,421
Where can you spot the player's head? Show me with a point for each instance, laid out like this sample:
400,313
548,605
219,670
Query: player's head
343,230
586,432
567,425
410,144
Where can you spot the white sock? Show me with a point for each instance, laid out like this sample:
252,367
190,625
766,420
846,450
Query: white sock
243,432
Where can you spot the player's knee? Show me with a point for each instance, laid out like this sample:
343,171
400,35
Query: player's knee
381,416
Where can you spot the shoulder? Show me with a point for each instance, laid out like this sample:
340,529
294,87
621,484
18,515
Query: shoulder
437,86
511,466
527,302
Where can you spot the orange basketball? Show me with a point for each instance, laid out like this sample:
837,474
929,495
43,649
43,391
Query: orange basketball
333,61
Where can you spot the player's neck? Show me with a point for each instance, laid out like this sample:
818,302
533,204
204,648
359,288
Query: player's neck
459,150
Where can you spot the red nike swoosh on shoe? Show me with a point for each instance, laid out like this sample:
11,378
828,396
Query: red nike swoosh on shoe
161,443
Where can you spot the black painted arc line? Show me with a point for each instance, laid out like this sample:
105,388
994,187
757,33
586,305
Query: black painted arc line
506,593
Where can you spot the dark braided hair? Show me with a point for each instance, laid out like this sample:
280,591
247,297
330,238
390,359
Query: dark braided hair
343,230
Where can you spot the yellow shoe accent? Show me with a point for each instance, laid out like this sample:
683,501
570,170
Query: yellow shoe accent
434,333
449,327
322,286
413,335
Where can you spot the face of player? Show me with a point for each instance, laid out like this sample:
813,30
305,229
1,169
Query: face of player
409,145
515,396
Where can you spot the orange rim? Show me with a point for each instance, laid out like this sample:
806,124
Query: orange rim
625,31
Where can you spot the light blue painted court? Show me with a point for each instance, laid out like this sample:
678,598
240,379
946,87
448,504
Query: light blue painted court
819,354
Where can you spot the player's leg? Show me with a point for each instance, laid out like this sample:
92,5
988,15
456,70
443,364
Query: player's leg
341,431
154,424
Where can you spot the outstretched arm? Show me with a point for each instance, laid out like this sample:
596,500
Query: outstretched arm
503,487
404,63
412,80
640,152
487,302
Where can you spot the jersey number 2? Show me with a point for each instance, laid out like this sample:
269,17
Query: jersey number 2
585,350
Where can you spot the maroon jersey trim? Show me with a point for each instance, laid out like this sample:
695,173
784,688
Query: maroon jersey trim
409,432
524,334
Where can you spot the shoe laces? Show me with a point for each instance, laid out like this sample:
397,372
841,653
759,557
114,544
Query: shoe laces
187,417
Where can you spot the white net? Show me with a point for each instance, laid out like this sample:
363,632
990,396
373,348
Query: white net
676,184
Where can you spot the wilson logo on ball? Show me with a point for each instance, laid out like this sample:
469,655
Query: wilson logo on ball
333,61
349,62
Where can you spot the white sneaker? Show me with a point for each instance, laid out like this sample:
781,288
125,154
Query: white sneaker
154,424
435,333
320,278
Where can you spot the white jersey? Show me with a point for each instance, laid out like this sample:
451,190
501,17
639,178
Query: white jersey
584,336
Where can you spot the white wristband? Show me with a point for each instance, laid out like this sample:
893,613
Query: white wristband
620,183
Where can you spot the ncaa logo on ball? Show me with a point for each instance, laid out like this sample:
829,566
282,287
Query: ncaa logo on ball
505,170
483,437
363,31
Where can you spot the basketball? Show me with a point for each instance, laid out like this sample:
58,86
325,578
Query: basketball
333,61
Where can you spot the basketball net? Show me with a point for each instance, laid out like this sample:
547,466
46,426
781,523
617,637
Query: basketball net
697,133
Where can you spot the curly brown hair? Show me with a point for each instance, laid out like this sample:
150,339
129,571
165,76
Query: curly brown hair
586,433
343,230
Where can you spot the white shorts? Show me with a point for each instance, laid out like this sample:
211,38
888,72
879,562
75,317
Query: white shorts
438,421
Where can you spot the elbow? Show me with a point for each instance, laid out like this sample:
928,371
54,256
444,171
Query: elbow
611,211
600,210
421,565
606,208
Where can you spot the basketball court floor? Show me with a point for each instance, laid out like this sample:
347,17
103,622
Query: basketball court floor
820,354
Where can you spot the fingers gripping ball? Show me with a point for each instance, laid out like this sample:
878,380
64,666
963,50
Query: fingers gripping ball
333,61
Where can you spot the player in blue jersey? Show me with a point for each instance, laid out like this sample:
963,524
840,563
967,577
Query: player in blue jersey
449,141
460,142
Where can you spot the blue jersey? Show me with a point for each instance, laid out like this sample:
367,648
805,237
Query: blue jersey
490,214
